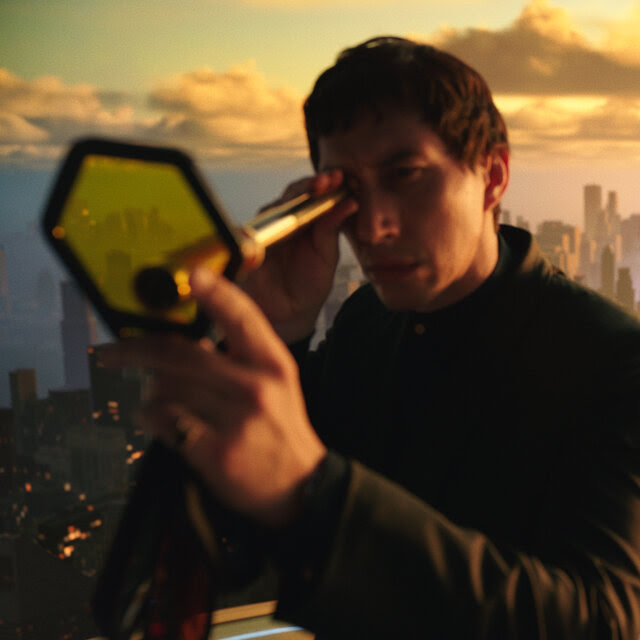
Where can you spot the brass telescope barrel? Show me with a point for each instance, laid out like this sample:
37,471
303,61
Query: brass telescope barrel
163,287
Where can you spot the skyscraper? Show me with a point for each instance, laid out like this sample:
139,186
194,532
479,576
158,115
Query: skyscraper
593,213
625,293
24,399
115,394
561,244
7,450
22,383
612,213
607,271
79,332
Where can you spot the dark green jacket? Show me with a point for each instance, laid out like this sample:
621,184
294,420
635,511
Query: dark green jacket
494,487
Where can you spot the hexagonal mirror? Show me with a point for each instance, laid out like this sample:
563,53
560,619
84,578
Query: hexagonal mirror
120,213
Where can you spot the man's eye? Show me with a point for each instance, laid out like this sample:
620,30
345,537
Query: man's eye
407,172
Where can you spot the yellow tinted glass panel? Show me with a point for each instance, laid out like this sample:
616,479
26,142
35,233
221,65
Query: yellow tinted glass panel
124,215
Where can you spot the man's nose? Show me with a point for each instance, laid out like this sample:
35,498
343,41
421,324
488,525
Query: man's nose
377,220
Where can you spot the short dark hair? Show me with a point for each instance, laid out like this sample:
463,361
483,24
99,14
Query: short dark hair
389,72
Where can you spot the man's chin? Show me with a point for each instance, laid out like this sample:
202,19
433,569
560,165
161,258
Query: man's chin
404,299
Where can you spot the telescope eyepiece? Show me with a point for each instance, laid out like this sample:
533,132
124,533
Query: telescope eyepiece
156,289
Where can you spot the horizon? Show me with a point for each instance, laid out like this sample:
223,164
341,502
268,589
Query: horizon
225,81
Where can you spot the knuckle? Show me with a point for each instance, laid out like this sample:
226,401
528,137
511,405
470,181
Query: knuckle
285,366
257,394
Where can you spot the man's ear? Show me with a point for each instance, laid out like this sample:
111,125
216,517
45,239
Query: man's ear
496,178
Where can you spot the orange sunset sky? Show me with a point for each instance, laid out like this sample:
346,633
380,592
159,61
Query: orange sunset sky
225,80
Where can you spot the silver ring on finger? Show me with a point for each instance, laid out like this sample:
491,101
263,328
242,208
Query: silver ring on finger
184,428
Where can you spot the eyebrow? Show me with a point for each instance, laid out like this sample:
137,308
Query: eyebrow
402,155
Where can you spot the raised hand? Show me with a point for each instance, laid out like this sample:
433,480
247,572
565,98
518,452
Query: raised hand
240,414
295,279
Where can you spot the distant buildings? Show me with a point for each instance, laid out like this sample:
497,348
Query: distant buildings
606,257
562,244
79,332
347,279
24,402
66,465
41,597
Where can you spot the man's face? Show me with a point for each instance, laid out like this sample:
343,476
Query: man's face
424,232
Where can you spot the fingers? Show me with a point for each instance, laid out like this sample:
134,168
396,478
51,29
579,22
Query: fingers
330,223
221,405
326,182
317,185
249,335
179,430
176,356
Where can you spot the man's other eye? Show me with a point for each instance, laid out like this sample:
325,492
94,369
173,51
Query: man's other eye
403,173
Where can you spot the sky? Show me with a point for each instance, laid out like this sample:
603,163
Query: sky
225,80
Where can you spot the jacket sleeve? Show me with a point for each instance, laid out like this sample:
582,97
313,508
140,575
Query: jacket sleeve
399,569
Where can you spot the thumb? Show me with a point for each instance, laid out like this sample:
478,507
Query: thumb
249,335
331,222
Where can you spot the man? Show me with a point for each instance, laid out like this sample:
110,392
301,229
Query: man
480,411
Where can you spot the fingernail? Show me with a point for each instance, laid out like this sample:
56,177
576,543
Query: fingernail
202,278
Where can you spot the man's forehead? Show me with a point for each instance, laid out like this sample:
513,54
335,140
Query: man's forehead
374,140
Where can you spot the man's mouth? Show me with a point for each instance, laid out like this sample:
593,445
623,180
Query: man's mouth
390,270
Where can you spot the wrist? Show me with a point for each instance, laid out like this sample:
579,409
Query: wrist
297,329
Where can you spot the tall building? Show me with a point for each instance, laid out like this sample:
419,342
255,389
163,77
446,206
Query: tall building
612,214
630,254
589,263
65,407
24,390
24,402
561,244
630,232
115,394
45,292
79,332
7,450
593,212
98,460
347,279
607,271
625,293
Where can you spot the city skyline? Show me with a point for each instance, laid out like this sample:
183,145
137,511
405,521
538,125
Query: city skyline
26,283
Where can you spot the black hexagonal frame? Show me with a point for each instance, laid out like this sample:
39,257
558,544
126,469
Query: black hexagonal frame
122,323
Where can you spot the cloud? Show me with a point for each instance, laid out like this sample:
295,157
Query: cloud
621,37
543,53
575,129
562,95
558,90
230,113
234,116
39,117
15,129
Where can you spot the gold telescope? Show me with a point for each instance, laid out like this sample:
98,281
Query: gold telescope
162,287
